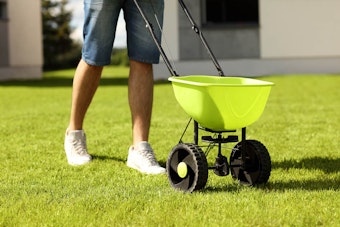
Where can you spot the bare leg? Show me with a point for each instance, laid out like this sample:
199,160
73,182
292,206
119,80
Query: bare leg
141,155
85,83
140,99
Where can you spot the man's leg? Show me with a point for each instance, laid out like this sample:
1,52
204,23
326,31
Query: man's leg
141,155
140,99
85,83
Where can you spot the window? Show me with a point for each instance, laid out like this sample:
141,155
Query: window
233,12
3,10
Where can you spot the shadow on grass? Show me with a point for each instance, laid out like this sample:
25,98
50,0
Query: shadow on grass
66,82
105,158
321,184
224,189
302,185
327,165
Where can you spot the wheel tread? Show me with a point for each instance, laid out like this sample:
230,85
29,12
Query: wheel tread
201,174
264,160
263,157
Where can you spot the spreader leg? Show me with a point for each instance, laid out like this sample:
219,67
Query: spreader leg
244,134
196,132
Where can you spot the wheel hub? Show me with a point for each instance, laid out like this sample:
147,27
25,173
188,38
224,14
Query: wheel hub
182,169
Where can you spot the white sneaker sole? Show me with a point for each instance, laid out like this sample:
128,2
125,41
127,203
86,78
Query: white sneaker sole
150,170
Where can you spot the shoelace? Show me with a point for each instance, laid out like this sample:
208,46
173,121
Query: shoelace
79,146
149,156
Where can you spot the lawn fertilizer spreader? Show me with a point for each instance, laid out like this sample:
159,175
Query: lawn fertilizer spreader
220,106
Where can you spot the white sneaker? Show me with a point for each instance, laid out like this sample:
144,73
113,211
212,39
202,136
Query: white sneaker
75,148
142,158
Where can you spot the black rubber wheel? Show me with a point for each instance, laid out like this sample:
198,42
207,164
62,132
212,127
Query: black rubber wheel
187,167
256,165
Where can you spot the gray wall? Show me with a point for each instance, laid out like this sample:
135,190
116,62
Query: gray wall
227,42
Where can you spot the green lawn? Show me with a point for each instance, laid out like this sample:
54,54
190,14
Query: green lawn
300,127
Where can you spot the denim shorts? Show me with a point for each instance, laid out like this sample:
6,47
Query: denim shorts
99,30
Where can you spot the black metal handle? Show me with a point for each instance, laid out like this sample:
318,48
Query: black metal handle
194,27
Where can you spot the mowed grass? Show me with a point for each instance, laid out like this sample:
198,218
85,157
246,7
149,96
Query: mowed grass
300,127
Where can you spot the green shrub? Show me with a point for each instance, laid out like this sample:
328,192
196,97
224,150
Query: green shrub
120,57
